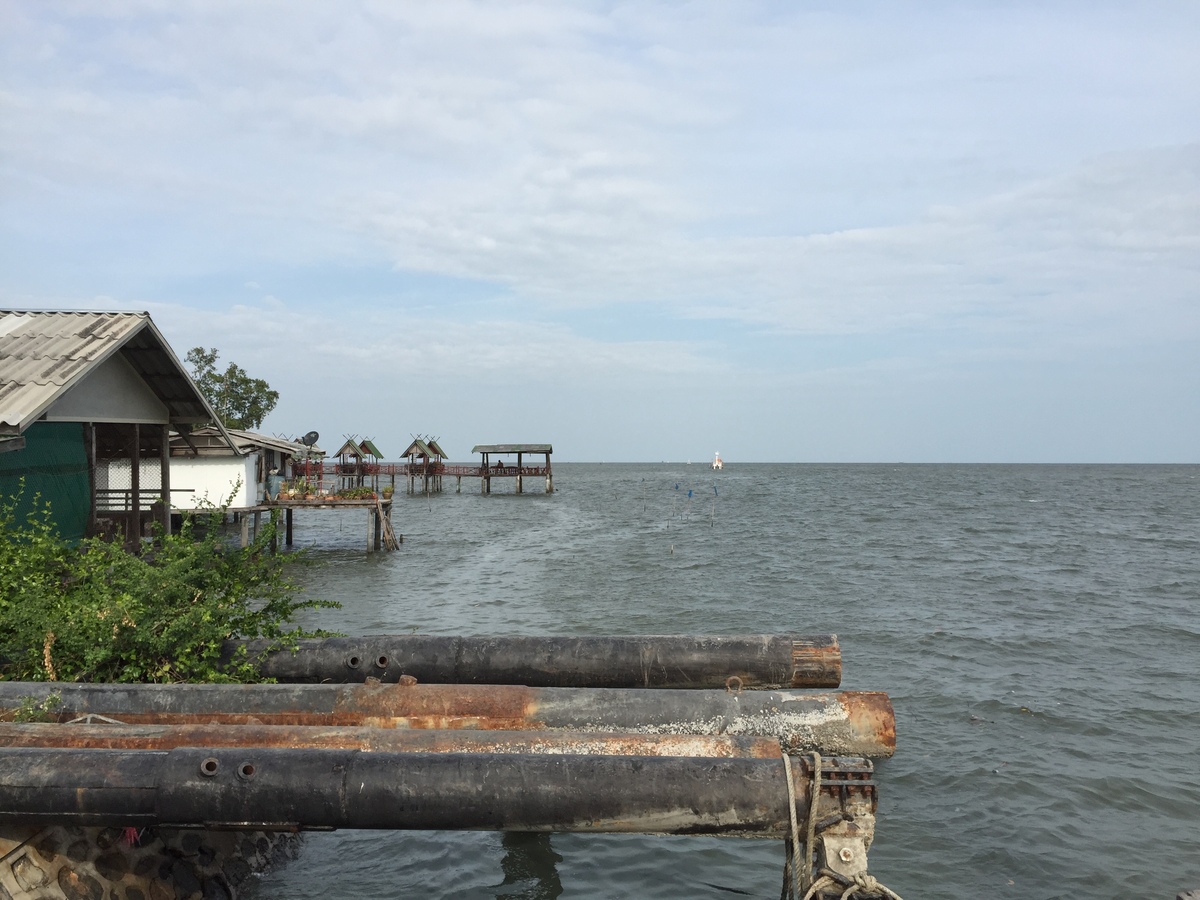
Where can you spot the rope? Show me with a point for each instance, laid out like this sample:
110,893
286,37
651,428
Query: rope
814,795
797,868
860,886
819,885
791,877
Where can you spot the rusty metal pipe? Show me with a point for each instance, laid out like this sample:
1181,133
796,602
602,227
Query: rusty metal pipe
251,787
391,740
850,723
661,661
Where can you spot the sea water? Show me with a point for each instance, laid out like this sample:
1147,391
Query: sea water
1037,628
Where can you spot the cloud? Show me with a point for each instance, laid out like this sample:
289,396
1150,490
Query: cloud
843,194
298,344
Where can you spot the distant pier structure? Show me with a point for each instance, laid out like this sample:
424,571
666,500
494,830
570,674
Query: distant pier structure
427,463
500,468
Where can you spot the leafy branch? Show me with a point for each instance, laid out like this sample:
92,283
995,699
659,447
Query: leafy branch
95,612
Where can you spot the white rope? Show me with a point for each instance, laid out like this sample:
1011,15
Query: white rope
814,796
791,886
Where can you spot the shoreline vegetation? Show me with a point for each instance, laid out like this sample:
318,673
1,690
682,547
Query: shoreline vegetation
94,611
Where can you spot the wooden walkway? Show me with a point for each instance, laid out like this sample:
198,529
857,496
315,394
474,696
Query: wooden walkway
380,535
429,475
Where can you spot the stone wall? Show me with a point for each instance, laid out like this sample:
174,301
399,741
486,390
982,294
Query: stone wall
77,863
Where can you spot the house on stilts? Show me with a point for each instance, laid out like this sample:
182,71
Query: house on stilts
88,401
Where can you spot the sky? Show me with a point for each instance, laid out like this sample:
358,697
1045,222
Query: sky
784,231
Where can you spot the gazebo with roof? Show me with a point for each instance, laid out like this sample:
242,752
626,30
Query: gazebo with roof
426,460
500,469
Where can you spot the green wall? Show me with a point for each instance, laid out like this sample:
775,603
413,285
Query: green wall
54,465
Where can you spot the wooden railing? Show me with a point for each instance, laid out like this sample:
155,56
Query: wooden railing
415,470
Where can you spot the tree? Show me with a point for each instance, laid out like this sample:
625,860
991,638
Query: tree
241,401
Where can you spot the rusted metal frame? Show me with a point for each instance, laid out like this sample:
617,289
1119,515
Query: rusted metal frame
106,736
847,723
662,661
255,787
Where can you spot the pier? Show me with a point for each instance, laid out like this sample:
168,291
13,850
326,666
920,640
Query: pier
379,532
426,466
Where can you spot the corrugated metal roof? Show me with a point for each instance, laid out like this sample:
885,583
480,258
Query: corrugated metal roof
45,353
247,441
368,446
255,439
512,448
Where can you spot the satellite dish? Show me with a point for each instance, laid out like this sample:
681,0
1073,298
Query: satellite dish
309,439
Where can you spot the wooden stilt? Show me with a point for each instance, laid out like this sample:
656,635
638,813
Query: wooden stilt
164,463
133,535
89,435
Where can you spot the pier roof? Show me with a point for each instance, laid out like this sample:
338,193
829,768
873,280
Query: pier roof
419,448
351,448
512,448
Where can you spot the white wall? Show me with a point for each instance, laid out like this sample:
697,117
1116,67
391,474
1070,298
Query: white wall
211,479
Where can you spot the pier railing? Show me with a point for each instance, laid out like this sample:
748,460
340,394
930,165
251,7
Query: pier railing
415,470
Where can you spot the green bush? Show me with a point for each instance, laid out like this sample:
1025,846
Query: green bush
96,612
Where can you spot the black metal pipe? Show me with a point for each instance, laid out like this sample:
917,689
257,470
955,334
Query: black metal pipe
661,661
277,789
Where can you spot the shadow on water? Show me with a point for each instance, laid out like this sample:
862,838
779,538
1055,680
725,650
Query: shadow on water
530,867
